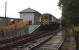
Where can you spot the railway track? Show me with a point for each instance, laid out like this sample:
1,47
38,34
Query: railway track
23,40
34,43
53,44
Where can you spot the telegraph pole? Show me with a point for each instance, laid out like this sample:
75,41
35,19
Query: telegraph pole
6,13
5,8
6,22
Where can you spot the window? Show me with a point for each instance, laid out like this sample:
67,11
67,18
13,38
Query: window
30,22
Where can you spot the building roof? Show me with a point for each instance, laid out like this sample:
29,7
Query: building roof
28,10
2,17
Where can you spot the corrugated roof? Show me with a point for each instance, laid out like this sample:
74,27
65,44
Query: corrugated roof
8,17
28,10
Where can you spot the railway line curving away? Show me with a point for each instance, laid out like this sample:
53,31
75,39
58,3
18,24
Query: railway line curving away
53,40
17,39
52,44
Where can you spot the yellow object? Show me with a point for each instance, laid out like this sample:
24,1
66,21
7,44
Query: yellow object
76,28
14,26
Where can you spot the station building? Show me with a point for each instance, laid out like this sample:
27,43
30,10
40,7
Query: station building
30,15
33,17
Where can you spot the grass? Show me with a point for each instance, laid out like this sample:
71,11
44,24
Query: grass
69,34
65,46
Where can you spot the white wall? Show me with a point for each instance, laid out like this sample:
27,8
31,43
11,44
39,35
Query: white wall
32,28
27,17
54,20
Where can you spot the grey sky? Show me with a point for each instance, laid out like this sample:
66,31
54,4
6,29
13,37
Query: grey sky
43,6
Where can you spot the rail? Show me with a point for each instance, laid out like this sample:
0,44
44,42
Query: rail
53,44
34,43
24,40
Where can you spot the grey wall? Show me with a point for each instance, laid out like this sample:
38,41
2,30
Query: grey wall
27,17
34,17
54,19
37,18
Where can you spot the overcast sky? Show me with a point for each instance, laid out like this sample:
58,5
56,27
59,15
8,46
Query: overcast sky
42,6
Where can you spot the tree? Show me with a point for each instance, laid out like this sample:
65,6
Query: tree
63,22
70,11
